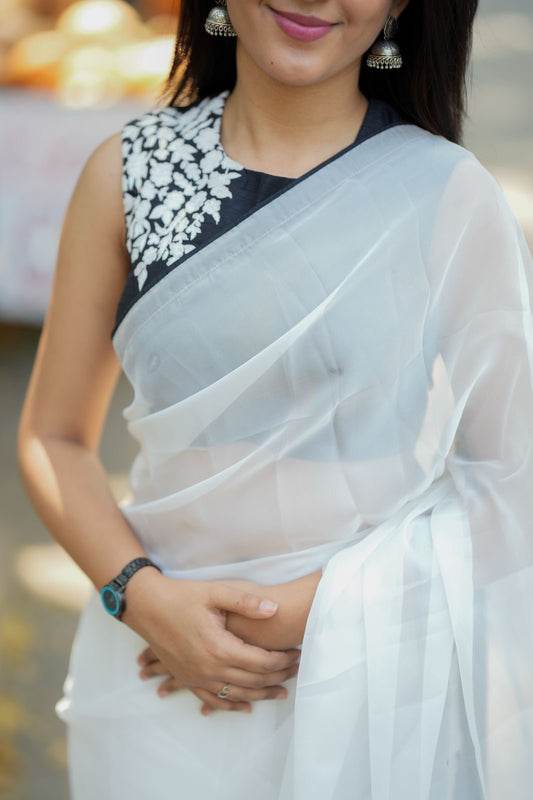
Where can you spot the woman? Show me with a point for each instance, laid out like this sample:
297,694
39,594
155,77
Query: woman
322,303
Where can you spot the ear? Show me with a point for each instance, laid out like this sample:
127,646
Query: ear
398,6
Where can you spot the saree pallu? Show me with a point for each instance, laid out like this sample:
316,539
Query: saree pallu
341,382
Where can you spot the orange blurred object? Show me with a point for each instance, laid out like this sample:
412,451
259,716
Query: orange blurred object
88,77
34,60
99,50
143,66
106,22
162,25
149,8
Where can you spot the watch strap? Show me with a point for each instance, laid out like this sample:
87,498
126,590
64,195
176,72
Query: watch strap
116,604
120,581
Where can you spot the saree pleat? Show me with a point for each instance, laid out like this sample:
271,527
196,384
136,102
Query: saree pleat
342,382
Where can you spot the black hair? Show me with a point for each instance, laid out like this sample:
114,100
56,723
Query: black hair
435,40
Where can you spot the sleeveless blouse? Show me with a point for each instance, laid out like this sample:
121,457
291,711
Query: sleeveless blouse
181,190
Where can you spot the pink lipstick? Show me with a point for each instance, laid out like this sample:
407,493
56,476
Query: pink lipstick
302,27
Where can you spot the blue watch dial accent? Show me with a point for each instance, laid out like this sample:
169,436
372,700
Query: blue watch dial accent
111,600
113,597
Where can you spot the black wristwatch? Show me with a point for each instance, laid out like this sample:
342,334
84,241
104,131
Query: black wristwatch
112,594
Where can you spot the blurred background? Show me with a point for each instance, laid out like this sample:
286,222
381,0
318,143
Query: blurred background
71,74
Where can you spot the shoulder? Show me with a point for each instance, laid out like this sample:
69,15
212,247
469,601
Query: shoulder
96,204
470,187
164,141
98,192
476,240
104,163
444,171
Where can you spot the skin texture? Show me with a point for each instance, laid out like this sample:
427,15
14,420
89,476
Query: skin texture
294,105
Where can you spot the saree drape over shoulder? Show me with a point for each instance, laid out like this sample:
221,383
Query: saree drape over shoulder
342,381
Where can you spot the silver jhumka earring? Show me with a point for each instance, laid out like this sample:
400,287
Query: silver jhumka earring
218,22
385,53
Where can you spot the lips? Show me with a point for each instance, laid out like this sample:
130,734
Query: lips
302,27
303,19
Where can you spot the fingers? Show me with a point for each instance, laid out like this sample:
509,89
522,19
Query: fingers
238,699
152,666
245,686
246,680
146,657
213,703
244,603
254,659
251,680
238,694
152,669
210,699
169,686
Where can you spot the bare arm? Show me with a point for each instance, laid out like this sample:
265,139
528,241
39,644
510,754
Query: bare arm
74,375
286,628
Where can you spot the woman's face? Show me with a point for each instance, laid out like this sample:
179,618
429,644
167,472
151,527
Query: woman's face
332,39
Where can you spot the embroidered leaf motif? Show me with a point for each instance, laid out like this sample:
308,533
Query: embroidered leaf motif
212,207
175,176
193,173
157,212
196,226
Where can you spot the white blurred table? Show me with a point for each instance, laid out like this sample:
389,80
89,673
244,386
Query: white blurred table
43,148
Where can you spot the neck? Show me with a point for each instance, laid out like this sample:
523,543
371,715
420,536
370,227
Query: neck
286,130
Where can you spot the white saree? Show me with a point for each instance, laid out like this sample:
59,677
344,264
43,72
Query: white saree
342,381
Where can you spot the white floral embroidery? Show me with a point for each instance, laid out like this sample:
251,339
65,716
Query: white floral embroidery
175,175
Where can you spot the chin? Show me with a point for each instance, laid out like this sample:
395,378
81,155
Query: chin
293,71
289,78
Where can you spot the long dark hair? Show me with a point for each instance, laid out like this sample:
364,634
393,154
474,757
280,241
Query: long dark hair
435,40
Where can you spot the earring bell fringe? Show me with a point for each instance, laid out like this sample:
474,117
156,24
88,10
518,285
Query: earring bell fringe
218,22
385,54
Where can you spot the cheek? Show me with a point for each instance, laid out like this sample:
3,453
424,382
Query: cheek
247,14
369,16
365,20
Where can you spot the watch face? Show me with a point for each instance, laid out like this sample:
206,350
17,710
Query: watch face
111,600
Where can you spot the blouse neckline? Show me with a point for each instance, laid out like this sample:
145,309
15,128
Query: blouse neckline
232,164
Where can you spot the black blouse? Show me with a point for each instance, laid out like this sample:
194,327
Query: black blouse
181,191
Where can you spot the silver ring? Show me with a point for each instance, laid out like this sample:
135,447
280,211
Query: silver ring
224,691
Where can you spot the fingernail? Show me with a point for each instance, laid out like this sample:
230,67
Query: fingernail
207,711
267,605
163,692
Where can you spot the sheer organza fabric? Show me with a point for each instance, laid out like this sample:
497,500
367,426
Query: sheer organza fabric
344,382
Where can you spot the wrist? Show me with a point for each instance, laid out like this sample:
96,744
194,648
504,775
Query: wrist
116,592
142,591
286,628
142,598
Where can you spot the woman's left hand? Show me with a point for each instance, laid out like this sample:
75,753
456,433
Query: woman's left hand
285,632
239,698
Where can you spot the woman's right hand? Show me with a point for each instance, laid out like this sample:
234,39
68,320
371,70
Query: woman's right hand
184,624
238,699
